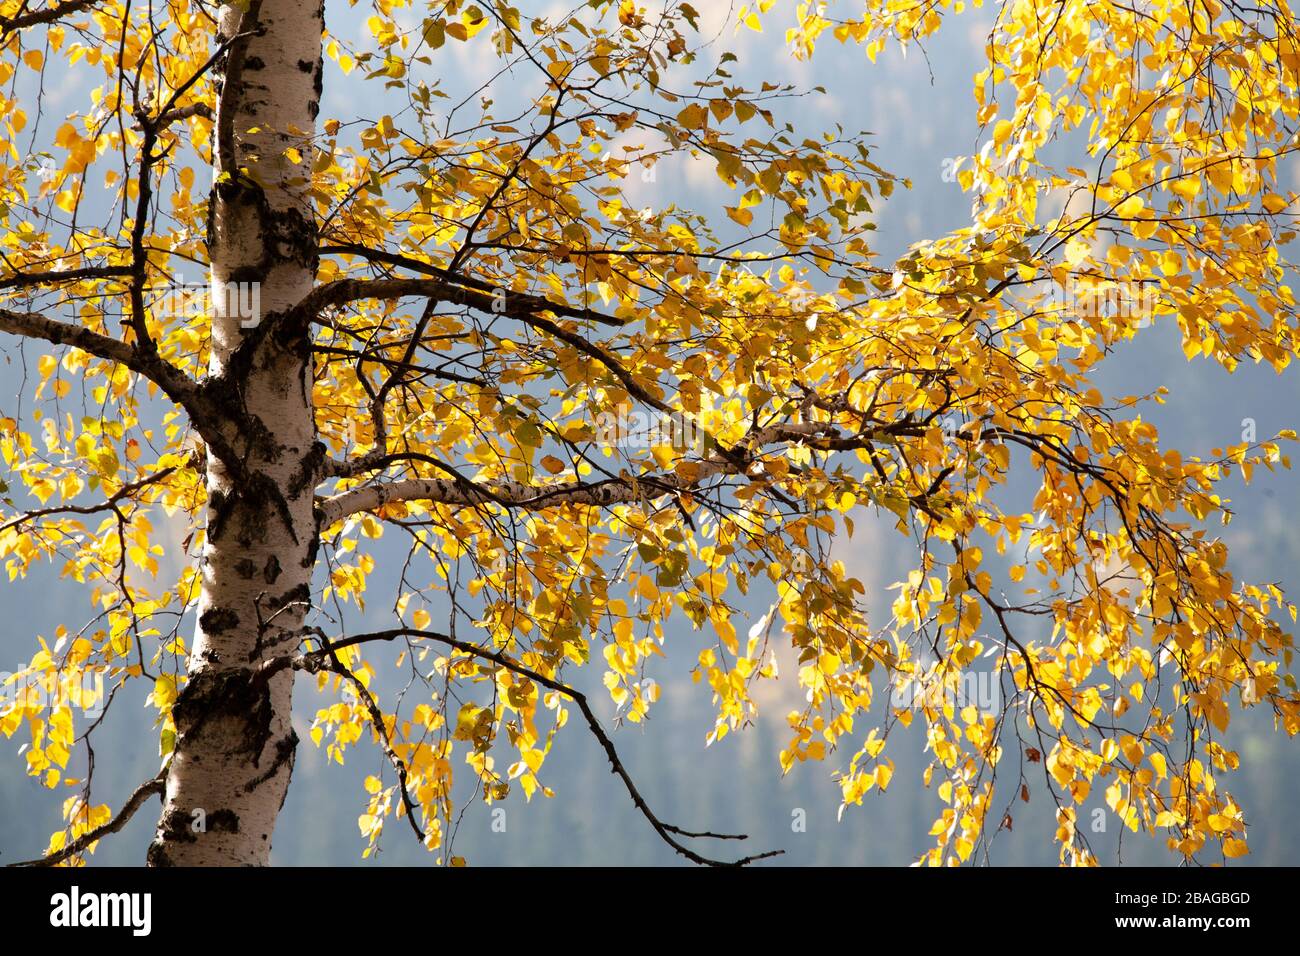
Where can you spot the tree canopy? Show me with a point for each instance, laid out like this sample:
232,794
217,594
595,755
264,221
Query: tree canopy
602,430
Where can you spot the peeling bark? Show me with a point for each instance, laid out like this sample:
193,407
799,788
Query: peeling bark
234,747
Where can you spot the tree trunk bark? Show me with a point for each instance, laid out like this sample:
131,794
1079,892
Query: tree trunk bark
234,747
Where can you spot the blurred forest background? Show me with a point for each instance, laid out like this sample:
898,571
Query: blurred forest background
918,110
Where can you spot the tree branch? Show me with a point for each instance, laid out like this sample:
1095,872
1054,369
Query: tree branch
133,803
478,295
536,302
460,490
327,660
173,382
323,659
33,18
183,112
109,505
32,325
511,494
22,280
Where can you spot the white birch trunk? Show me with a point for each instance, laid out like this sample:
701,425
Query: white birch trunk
235,746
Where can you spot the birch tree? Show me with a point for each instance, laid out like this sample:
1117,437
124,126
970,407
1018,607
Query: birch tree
601,430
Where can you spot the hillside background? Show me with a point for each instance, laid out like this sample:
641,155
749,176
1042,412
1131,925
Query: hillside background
918,110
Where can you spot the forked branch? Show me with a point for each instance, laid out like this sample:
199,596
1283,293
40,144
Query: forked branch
325,659
459,490
137,799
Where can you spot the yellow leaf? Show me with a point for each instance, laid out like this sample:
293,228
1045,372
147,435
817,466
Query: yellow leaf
1130,207
1275,203
1234,847
693,116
